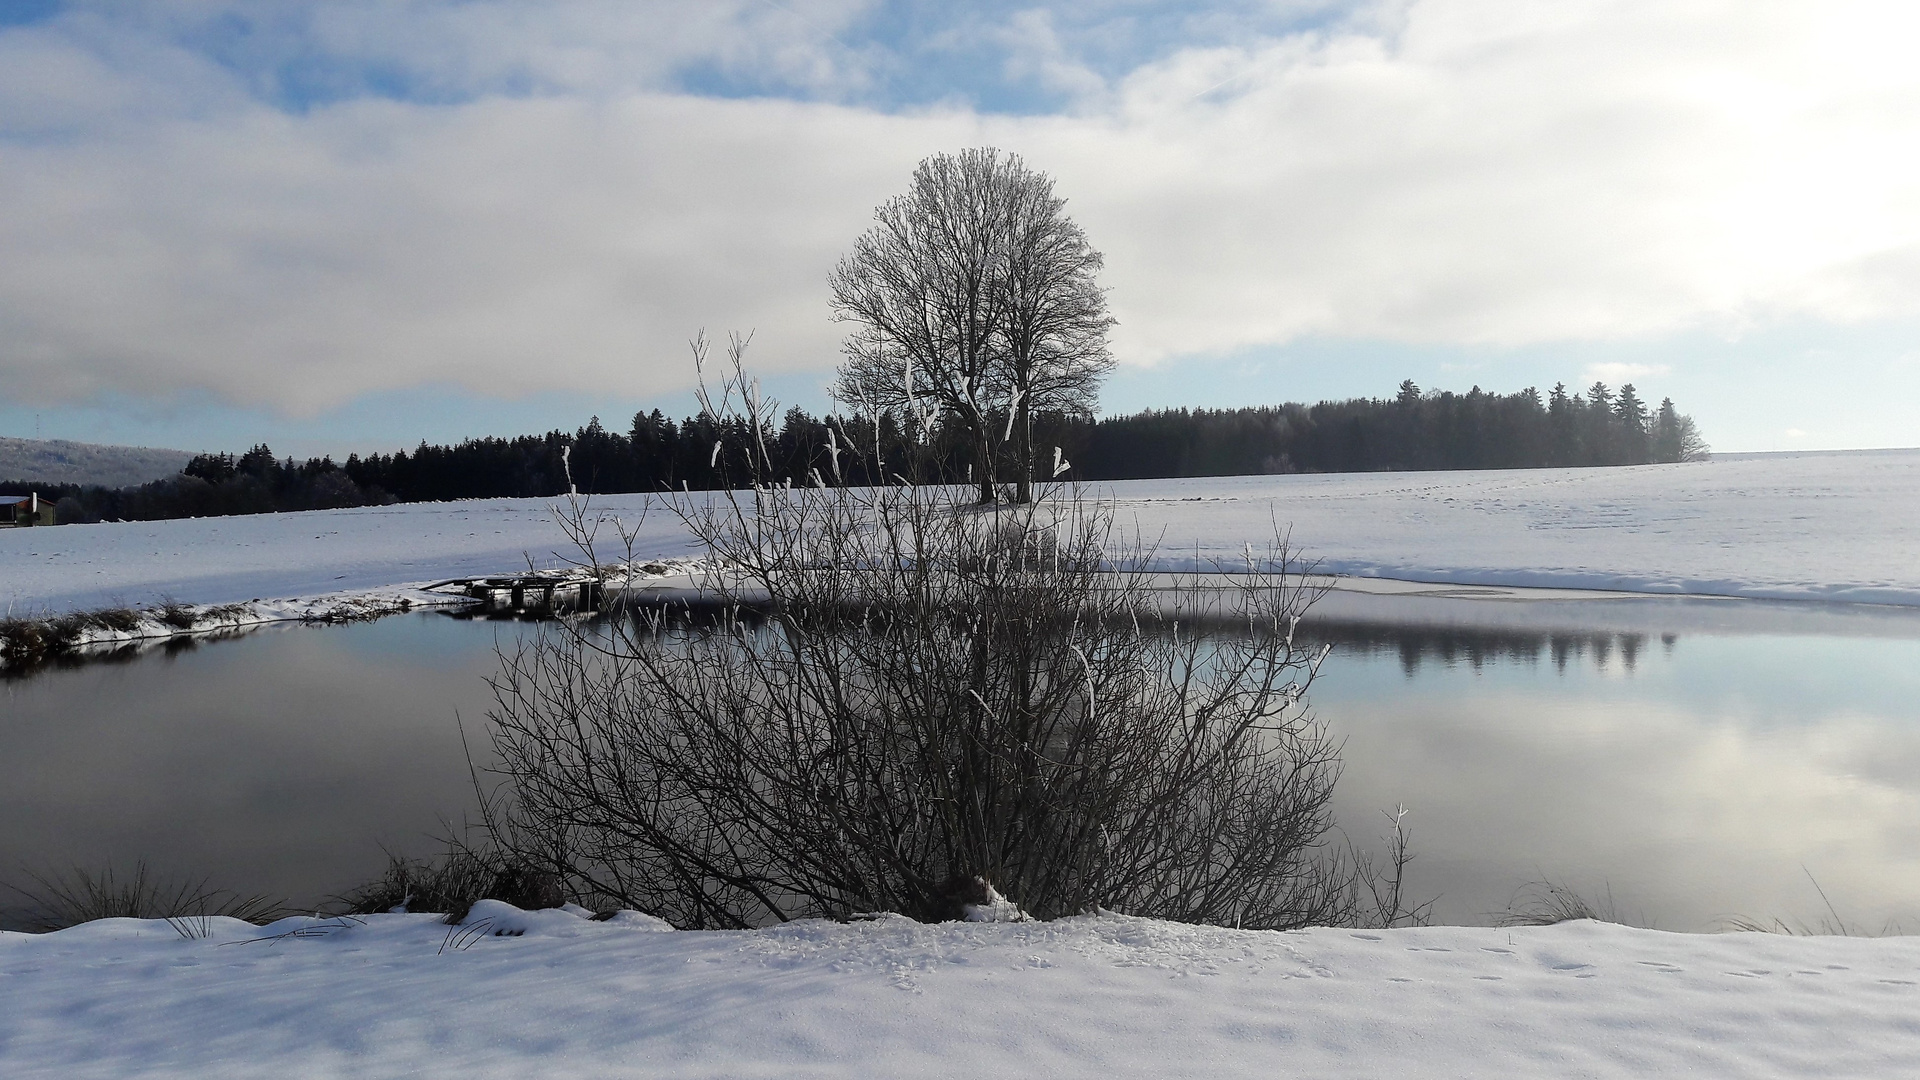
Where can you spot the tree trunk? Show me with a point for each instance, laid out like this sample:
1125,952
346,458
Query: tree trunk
1023,425
983,469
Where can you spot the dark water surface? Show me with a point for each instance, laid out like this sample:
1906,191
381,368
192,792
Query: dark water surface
1694,775
279,762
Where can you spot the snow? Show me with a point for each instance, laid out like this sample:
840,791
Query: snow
308,554
1831,527
1834,527
531,994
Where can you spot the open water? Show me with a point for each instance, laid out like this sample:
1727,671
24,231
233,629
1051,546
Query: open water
1680,771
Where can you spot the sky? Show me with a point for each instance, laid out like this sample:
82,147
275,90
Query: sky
354,225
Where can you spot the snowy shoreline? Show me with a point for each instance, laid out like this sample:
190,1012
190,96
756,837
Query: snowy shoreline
548,993
1355,600
1838,528
1822,542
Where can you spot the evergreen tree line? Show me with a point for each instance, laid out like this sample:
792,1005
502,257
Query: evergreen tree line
213,485
1412,431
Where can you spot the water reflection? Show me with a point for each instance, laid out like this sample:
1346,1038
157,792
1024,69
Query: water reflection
1477,647
122,653
280,762
1712,777
1697,775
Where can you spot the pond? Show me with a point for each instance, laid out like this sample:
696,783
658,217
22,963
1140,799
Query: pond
1689,767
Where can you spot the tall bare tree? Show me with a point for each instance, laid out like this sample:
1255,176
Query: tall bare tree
974,303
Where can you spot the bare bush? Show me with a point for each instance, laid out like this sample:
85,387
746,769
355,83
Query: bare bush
451,885
882,694
886,692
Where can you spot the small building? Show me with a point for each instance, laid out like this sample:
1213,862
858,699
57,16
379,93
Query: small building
19,511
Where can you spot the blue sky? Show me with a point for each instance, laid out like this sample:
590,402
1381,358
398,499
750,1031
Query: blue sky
358,225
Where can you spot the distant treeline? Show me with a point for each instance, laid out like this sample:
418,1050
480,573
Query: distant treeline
1412,431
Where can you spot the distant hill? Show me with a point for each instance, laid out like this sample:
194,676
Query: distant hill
60,461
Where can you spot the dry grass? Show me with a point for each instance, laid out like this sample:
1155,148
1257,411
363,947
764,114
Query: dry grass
56,901
1832,924
451,884
29,643
25,643
1545,903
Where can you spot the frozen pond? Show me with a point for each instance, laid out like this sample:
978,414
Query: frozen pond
1697,768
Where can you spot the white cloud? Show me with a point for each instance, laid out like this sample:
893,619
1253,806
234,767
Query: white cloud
1471,172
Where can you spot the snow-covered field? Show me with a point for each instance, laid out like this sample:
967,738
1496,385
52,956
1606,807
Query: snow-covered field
1096,996
1835,527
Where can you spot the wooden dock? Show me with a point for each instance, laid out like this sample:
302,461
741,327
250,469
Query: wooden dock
529,594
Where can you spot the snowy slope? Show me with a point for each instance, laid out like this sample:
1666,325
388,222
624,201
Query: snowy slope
231,559
61,461
1842,526
1098,996
1813,526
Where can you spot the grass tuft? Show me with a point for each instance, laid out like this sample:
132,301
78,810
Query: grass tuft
177,615
1832,924
57,901
1545,903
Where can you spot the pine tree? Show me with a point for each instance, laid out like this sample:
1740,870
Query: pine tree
1630,414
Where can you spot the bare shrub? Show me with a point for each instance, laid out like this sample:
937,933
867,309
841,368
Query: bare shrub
452,884
885,694
882,692
175,614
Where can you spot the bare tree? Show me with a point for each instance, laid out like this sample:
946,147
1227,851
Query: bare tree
975,305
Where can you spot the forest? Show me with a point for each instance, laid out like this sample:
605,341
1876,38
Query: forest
1414,430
